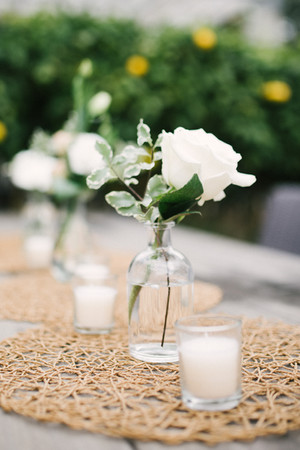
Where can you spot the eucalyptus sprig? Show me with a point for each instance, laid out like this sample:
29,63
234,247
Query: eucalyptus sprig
159,202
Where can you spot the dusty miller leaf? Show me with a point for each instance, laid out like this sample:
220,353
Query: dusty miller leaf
99,177
105,150
124,203
144,134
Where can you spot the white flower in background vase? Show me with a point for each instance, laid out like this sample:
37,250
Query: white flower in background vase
186,152
33,170
60,142
99,103
82,154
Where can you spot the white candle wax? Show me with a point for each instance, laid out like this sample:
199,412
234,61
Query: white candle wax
210,366
91,270
38,250
94,306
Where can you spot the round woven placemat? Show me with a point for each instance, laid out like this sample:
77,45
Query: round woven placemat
12,258
35,296
91,383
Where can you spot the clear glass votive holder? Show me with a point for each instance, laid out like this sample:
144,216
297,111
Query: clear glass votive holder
209,349
94,296
38,250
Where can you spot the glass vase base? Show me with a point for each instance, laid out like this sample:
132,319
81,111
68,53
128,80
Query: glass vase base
203,404
154,352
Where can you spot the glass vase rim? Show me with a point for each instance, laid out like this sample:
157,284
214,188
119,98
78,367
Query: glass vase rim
229,322
159,225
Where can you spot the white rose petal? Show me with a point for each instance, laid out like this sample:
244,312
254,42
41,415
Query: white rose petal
186,152
32,170
82,154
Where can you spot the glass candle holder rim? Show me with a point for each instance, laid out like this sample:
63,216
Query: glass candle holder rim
231,322
92,278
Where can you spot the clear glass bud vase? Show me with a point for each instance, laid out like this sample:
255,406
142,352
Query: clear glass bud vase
160,291
73,240
39,219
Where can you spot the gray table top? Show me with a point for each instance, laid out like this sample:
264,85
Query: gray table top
256,281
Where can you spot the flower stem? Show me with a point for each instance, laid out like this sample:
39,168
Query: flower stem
159,241
64,228
128,186
167,310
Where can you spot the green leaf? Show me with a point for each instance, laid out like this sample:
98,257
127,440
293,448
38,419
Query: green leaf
119,199
124,203
132,171
181,200
130,181
131,152
144,135
99,177
105,150
156,187
134,210
135,290
181,216
157,156
158,140
147,200
151,215
64,189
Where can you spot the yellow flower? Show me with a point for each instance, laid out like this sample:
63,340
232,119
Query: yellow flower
3,131
276,91
205,38
137,65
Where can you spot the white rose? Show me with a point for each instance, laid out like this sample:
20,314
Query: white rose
82,154
32,170
99,103
186,152
60,142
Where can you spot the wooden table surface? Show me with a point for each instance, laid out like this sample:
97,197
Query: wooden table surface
256,281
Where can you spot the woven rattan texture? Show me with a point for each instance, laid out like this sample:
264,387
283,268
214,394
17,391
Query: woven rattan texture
91,383
11,254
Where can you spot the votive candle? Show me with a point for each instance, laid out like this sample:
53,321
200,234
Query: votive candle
38,250
209,349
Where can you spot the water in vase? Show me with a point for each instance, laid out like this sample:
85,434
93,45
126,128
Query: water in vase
151,333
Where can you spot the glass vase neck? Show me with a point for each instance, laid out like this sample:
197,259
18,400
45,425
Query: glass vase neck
159,234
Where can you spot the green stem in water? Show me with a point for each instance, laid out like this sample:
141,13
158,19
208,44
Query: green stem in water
64,228
167,309
135,290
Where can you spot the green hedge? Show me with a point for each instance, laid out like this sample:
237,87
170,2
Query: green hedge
219,89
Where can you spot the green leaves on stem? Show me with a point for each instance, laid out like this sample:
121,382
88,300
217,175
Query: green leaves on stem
160,202
177,203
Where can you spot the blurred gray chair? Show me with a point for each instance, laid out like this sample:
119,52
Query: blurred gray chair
281,223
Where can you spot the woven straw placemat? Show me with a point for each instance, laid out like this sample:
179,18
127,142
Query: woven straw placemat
12,258
35,296
91,383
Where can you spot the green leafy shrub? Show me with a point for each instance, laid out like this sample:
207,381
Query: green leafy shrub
219,88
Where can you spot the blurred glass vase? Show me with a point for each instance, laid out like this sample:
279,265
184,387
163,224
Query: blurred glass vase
39,217
160,291
72,240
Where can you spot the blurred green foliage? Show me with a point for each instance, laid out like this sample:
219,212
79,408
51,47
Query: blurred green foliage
219,89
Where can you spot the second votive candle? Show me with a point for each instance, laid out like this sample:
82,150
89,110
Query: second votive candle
94,295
